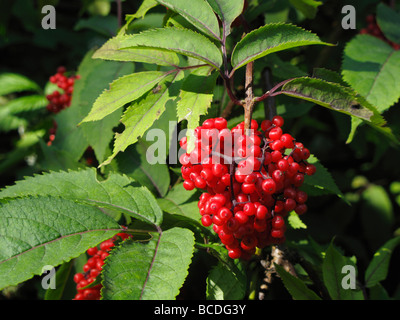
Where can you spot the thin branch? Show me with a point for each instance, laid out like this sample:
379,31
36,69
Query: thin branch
249,100
119,12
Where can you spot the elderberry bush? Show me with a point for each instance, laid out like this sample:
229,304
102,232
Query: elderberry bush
250,181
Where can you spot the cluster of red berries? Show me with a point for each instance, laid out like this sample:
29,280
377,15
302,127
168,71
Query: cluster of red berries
250,179
374,30
93,267
60,100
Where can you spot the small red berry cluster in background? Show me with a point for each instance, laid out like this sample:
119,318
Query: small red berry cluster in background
60,100
93,267
251,181
374,30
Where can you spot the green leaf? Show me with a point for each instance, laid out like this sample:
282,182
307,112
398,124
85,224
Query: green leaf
183,41
140,116
95,76
296,287
332,96
228,11
176,202
111,50
122,91
19,111
153,270
377,269
295,221
322,181
389,22
47,231
332,268
133,162
371,67
377,216
226,284
14,82
198,13
62,275
195,98
307,7
271,38
117,192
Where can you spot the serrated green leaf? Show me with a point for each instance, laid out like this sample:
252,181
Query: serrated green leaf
307,7
333,96
95,76
195,98
182,41
378,268
122,91
198,13
389,22
111,50
377,216
133,163
18,112
14,82
153,270
117,192
140,116
46,231
271,38
228,11
322,181
226,284
296,287
371,67
332,268
295,221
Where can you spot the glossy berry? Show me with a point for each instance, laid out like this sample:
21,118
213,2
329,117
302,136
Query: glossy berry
249,183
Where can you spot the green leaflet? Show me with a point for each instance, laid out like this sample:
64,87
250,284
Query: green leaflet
372,68
389,22
118,192
183,41
198,13
308,7
41,231
226,284
14,82
333,96
228,11
271,38
379,266
95,77
195,98
153,270
296,287
122,91
111,50
142,113
332,271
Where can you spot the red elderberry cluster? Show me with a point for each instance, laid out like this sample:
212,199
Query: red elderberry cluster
374,30
60,100
251,181
93,267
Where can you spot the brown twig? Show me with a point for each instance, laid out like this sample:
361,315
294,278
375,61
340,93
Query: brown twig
249,100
